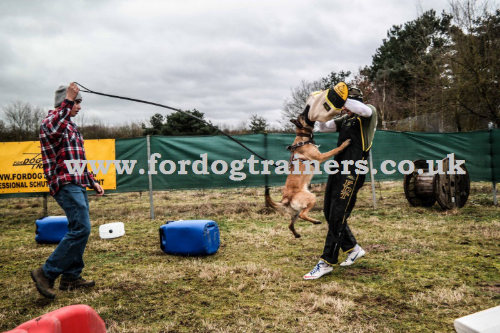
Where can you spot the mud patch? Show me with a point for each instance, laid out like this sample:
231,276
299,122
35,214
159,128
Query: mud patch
494,288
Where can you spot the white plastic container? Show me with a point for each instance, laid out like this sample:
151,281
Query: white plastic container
487,321
112,230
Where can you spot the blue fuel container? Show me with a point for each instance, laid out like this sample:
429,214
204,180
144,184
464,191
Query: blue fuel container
190,237
51,229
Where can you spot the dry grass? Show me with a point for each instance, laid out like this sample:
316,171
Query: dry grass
424,267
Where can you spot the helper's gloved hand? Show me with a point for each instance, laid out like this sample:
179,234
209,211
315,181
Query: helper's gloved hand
326,104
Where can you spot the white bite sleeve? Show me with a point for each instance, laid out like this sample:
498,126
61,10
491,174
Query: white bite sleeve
357,107
325,127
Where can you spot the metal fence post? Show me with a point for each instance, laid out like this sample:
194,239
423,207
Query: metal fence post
372,176
493,180
266,177
150,180
495,200
45,205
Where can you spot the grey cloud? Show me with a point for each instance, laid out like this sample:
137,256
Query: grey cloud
228,59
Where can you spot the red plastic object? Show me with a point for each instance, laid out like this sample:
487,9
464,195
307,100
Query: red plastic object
70,319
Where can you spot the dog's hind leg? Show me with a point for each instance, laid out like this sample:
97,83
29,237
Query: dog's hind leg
292,226
311,201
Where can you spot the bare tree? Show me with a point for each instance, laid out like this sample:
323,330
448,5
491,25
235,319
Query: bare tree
4,132
23,120
294,105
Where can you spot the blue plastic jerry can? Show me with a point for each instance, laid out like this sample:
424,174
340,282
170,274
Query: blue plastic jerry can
190,237
51,229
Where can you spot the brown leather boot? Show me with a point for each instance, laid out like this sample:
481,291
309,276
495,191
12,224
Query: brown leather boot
44,285
66,284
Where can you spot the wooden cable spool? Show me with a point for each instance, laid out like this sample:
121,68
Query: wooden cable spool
452,191
419,188
424,189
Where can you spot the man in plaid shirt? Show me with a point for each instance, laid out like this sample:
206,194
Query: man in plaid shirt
60,141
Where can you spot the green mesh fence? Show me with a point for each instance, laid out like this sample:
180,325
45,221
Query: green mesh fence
479,149
473,147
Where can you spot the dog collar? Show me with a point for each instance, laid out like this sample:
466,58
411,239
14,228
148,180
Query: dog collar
298,145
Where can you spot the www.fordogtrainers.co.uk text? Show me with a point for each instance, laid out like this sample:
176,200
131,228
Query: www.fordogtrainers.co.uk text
238,169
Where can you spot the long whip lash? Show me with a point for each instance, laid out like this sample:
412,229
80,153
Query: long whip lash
87,90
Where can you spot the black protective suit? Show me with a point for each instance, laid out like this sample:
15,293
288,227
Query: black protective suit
341,191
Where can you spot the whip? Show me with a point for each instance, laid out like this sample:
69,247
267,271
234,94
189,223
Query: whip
87,90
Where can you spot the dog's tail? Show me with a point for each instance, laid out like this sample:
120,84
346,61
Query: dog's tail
269,201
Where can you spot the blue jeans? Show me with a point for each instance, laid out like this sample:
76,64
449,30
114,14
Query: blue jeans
67,258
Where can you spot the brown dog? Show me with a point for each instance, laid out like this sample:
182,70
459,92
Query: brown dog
297,200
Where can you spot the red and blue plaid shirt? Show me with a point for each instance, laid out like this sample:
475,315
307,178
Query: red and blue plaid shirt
61,140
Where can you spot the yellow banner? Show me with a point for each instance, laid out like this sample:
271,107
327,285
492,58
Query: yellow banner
21,168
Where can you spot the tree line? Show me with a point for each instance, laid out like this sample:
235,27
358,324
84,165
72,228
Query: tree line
442,68
435,73
22,123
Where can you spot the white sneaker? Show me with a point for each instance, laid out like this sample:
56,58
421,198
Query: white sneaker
318,271
353,256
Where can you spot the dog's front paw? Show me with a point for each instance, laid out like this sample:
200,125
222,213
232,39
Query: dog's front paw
317,222
346,143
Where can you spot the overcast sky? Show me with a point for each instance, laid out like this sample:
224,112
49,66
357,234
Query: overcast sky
229,59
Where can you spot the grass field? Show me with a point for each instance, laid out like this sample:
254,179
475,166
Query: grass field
423,268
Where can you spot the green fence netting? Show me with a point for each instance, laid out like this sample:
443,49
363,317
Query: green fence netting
473,147
479,149
495,155
132,149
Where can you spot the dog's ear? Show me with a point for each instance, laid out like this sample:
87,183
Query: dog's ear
305,113
296,122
